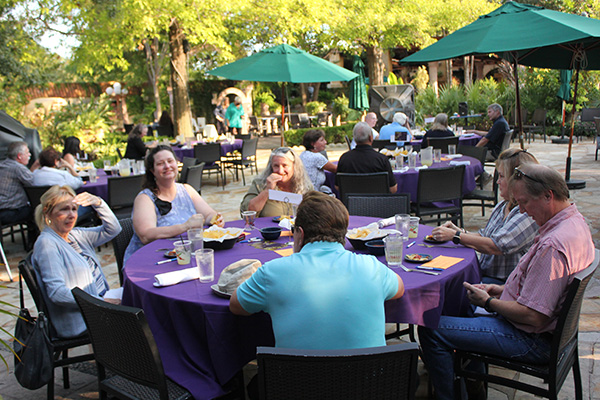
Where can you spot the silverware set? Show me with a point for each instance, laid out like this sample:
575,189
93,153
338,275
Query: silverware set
418,270
437,245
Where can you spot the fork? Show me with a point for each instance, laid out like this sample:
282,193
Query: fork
418,270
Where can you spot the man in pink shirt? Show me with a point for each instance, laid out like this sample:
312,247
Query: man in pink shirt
527,306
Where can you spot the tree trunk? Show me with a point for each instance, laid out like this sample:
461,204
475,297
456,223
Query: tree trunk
303,95
316,86
182,117
449,72
375,64
154,70
468,69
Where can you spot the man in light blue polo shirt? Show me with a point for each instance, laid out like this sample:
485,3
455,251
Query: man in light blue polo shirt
323,296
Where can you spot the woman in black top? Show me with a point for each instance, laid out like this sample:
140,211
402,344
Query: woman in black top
136,149
438,129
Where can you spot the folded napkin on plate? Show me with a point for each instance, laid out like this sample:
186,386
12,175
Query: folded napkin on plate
175,277
454,162
443,262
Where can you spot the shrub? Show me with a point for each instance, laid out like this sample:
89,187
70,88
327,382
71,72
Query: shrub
340,107
315,107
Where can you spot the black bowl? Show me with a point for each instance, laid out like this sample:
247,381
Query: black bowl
216,245
376,247
271,233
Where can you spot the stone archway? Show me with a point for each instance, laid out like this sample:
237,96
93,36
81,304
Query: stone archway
246,96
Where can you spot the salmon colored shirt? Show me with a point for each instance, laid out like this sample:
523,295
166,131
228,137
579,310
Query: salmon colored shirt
563,247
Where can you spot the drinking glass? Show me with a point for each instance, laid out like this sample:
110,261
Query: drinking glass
182,251
437,155
135,167
412,159
124,167
93,175
141,166
408,148
106,165
399,161
402,224
248,217
196,237
459,130
451,149
394,245
205,260
427,156
413,228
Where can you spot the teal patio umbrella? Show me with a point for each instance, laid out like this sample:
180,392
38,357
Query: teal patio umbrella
564,93
358,98
527,35
283,63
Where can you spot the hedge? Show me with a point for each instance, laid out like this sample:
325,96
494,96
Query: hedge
333,134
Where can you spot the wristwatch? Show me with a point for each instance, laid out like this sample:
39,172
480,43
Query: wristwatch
456,238
487,304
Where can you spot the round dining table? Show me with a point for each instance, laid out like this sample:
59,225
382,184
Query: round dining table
226,148
203,345
467,139
98,188
408,178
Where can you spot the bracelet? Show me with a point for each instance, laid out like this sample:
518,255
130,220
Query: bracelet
487,304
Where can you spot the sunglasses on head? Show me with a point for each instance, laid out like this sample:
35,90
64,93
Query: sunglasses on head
516,153
518,174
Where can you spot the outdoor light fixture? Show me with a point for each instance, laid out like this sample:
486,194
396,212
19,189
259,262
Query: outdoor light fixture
116,90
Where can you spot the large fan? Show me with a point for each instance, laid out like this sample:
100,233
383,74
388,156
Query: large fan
387,100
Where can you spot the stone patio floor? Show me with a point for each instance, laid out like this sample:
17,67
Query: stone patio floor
84,386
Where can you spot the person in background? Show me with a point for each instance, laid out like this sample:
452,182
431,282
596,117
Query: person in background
72,151
136,149
314,161
508,233
165,208
166,122
219,113
525,309
14,177
363,159
50,172
285,171
439,129
322,289
234,115
495,136
64,257
399,124
371,120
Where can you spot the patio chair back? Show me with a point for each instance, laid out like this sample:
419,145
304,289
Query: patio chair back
376,182
442,143
378,205
120,243
194,177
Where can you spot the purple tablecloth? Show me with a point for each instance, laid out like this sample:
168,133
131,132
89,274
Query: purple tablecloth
467,139
225,148
408,181
203,345
98,188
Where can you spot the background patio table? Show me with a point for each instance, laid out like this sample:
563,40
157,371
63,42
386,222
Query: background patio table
226,147
203,345
408,181
98,188
469,139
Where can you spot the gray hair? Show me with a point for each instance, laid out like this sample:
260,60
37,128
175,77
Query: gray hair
440,123
301,183
16,148
540,179
361,132
400,118
496,107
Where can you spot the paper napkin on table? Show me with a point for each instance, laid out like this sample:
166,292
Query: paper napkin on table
443,262
454,162
175,277
422,167
386,222
285,252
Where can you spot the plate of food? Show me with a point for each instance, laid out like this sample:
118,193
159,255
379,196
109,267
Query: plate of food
170,254
430,239
280,218
418,257
221,238
358,237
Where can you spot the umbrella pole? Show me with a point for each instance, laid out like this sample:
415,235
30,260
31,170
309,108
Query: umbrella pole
282,112
518,94
575,183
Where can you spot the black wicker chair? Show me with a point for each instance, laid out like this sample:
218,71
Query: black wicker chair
187,162
122,191
388,372
194,177
210,155
247,159
120,243
442,143
123,344
440,185
378,205
564,354
61,347
376,182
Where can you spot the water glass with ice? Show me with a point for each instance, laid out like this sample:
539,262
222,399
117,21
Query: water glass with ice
394,246
205,260
402,224
196,237
248,217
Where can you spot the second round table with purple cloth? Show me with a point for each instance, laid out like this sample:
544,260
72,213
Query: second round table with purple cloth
203,345
226,148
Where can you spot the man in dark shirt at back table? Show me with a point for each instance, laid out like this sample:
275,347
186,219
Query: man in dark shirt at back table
363,159
495,136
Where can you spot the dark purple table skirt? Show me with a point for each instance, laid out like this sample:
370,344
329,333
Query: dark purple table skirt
408,181
225,148
203,345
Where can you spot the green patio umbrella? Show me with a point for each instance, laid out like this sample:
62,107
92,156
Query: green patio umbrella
358,98
527,35
283,63
564,93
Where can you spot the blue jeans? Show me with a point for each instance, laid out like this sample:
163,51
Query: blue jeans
492,335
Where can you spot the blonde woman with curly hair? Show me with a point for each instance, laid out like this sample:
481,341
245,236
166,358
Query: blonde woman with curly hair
285,171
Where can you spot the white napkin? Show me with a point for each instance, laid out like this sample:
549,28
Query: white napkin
386,222
453,156
453,162
287,223
422,167
401,170
175,277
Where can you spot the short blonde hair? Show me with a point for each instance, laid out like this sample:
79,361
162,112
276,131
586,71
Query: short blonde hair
53,196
